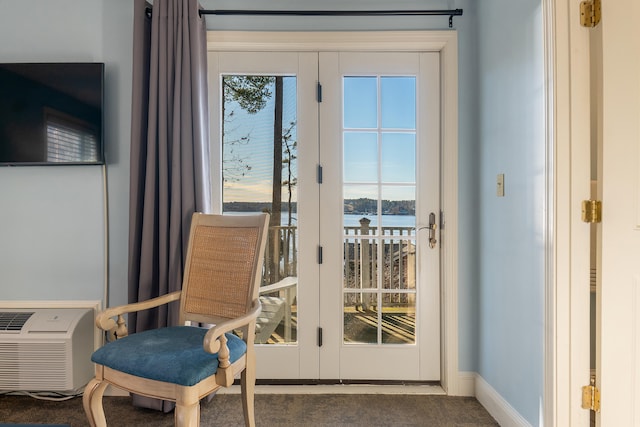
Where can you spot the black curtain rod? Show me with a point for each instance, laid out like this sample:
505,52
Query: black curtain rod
450,13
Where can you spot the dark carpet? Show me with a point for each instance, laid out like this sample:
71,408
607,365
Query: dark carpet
271,410
33,425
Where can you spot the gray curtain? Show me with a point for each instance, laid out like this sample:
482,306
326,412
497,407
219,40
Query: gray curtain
170,176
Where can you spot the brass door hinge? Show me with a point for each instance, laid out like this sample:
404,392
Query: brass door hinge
590,13
592,211
591,397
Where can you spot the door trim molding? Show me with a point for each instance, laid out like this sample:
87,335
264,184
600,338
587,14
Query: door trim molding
288,41
444,42
552,351
566,334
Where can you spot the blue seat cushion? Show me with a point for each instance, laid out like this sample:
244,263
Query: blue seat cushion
173,355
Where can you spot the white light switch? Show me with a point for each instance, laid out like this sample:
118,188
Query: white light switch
500,185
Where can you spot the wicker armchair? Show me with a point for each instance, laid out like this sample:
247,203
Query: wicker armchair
186,363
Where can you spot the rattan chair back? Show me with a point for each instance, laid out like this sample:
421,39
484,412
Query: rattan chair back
223,268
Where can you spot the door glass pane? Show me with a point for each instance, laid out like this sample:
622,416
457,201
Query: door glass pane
360,263
360,102
360,318
398,102
360,209
259,174
360,157
398,205
398,228
398,154
379,195
399,263
398,318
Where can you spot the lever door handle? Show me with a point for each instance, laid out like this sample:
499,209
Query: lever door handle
432,230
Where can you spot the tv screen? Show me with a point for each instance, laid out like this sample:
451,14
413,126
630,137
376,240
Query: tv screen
51,113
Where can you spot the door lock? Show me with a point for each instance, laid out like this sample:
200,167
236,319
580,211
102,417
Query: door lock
432,230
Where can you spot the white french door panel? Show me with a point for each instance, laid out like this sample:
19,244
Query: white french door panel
429,200
413,361
296,360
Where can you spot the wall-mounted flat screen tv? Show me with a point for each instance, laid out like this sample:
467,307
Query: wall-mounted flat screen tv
51,114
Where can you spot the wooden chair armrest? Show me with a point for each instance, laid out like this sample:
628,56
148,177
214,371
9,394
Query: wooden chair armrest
105,321
212,342
285,283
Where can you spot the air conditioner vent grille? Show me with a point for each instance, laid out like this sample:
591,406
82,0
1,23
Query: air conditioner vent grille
13,321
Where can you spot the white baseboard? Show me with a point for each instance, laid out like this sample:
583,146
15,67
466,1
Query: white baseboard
467,383
341,389
497,406
319,389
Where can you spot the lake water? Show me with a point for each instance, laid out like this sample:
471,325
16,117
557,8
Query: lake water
354,220
386,220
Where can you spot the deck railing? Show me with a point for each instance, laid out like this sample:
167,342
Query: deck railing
361,257
387,254
371,255
281,257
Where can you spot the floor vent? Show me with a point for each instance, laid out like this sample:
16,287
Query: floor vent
13,321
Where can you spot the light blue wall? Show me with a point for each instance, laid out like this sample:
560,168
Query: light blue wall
468,196
117,53
510,250
52,235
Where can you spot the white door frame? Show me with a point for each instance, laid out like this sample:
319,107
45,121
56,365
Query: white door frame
444,42
567,334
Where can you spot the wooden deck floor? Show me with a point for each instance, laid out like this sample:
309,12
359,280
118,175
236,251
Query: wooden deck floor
397,328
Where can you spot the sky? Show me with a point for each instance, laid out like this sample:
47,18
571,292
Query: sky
255,185
378,141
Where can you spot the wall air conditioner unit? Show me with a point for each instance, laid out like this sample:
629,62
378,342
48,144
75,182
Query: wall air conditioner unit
46,349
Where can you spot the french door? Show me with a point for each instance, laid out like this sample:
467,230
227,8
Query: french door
379,148
342,148
254,96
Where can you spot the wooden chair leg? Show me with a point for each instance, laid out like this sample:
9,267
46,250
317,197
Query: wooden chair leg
187,416
187,412
247,388
92,402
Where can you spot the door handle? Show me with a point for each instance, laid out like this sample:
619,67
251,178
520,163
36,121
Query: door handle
432,227
432,230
